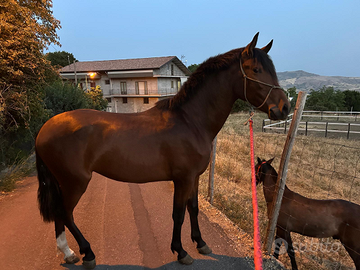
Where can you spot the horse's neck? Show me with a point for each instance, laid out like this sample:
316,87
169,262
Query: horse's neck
269,187
210,106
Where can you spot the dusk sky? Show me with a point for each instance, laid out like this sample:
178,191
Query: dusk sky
321,37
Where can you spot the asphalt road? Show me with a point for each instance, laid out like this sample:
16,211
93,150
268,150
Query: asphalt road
129,227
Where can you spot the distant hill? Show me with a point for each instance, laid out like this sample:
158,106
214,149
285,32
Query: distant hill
304,81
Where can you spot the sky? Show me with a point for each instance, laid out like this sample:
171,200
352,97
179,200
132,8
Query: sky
317,36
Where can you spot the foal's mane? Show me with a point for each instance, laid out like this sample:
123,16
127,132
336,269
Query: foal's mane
209,67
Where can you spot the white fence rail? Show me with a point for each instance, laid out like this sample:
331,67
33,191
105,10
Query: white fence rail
348,128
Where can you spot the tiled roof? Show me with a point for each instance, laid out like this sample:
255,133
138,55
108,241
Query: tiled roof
124,64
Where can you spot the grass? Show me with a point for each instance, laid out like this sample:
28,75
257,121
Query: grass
11,175
320,168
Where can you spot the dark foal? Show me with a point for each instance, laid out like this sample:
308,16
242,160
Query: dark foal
169,142
315,218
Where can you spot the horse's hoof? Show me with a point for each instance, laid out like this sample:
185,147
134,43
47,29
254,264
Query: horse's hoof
187,260
204,250
72,259
89,264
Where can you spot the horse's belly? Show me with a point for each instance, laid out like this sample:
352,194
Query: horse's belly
135,171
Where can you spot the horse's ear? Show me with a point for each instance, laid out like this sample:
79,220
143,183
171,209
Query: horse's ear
251,46
259,160
267,47
269,161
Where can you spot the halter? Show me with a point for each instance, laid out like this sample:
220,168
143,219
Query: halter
251,79
259,168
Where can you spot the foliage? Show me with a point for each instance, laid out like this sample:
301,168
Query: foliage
60,59
18,171
27,28
325,99
96,100
63,96
352,100
193,67
293,96
240,106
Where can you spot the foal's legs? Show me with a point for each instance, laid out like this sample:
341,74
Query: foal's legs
69,255
281,233
193,209
181,196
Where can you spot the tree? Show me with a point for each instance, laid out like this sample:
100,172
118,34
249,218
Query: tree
193,67
96,100
293,96
325,99
27,28
63,96
352,100
60,59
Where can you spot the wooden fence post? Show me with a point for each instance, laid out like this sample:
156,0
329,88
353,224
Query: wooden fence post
281,180
211,172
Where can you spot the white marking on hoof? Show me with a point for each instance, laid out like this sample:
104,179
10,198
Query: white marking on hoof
204,250
187,260
69,254
89,264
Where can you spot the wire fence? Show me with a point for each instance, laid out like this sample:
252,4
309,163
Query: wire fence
319,168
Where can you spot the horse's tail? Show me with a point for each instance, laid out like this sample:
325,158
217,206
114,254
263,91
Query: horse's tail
49,193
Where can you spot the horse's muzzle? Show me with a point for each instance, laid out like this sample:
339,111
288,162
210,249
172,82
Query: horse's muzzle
279,112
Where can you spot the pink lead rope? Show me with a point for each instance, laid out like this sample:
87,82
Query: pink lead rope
257,240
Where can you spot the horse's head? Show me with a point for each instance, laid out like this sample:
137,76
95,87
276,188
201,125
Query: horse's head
261,168
260,84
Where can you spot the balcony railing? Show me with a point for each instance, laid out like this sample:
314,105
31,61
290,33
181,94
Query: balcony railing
140,92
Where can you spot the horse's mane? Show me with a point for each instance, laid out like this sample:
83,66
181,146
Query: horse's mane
210,66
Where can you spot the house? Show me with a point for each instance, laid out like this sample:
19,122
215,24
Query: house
130,85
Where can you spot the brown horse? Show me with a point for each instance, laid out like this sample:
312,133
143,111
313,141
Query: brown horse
171,141
315,218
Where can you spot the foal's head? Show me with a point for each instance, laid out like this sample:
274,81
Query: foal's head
260,84
263,169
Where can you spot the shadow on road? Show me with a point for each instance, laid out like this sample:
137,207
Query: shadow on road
219,262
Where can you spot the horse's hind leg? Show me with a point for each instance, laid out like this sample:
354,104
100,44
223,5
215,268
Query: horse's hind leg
193,209
84,245
72,195
62,245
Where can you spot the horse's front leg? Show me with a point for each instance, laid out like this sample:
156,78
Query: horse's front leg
181,196
289,246
193,209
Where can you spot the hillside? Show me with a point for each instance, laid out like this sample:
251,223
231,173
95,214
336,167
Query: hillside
305,81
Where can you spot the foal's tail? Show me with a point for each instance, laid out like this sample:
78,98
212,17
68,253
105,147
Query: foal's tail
49,193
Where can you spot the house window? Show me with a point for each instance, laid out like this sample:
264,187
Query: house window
172,84
107,81
123,88
124,99
141,88
92,84
172,70
146,100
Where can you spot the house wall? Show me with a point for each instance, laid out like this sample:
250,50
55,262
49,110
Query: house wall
166,70
164,85
132,105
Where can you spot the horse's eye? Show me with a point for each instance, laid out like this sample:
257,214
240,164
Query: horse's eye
256,70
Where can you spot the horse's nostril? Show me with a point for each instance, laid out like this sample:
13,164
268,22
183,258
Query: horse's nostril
285,109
